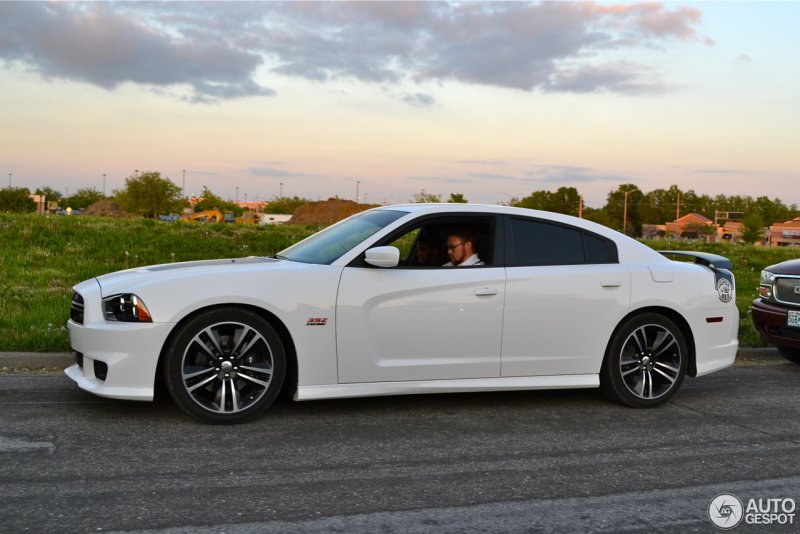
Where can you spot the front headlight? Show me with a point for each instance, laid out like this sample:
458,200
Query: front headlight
765,289
127,308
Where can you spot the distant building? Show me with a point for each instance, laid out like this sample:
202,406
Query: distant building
41,203
730,231
786,234
691,226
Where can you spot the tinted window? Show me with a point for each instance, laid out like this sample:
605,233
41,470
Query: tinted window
540,243
598,250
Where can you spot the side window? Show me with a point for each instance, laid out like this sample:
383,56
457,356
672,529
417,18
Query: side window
535,242
424,245
598,250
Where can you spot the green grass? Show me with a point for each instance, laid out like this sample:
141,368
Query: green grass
42,257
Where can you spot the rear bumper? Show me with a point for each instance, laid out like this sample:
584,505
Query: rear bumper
770,321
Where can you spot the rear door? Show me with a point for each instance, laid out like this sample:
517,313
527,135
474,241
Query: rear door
565,294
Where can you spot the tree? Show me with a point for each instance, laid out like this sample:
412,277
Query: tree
565,200
752,228
624,204
85,197
457,198
423,198
149,195
16,200
285,205
208,201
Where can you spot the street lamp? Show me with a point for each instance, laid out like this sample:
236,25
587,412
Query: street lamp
358,183
9,180
183,185
104,185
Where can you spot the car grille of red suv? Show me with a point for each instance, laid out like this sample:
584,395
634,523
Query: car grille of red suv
787,290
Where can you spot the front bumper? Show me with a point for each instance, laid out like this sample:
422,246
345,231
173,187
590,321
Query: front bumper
770,321
117,360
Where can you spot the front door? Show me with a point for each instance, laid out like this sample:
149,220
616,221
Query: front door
419,324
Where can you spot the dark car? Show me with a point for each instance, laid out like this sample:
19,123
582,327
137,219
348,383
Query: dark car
776,313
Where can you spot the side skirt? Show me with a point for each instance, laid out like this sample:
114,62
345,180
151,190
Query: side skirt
377,389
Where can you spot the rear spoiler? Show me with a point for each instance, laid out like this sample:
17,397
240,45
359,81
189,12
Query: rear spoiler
703,258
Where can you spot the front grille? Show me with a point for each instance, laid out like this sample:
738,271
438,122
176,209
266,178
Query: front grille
76,309
787,290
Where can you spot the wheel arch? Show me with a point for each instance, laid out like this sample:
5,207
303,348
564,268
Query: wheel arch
670,314
290,380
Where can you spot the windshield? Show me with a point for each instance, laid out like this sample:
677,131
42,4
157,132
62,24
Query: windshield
331,243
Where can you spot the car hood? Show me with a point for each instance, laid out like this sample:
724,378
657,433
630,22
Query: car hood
128,280
791,267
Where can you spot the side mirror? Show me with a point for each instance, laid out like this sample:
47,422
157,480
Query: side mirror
383,256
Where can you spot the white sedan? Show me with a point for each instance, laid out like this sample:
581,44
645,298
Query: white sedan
387,303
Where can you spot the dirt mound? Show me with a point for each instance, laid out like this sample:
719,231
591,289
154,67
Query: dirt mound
326,212
106,208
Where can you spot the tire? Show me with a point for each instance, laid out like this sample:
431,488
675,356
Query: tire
225,366
645,362
793,355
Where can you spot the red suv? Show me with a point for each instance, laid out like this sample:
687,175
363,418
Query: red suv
776,313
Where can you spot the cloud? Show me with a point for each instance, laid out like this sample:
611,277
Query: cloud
492,176
440,179
273,172
419,100
564,174
220,51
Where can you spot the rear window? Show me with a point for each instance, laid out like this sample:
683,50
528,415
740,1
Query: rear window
536,242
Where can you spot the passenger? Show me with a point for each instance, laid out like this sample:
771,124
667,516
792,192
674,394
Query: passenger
461,249
429,249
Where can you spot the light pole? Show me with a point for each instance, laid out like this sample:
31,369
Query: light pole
358,183
183,185
9,180
104,185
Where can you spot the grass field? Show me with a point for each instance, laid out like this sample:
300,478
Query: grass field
42,257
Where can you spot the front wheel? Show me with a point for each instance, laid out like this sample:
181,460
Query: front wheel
793,355
225,366
646,361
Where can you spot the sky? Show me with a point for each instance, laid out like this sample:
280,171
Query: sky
382,100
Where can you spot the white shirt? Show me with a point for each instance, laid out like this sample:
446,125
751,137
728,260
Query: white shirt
472,260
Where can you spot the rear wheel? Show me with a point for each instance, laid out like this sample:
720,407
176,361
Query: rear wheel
645,362
793,355
225,366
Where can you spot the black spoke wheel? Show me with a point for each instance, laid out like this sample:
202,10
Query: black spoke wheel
225,366
646,361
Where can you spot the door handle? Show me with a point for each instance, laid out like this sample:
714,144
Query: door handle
611,283
485,291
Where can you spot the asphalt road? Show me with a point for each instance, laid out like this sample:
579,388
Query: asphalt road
498,462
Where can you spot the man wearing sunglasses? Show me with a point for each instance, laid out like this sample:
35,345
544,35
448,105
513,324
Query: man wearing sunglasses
461,249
